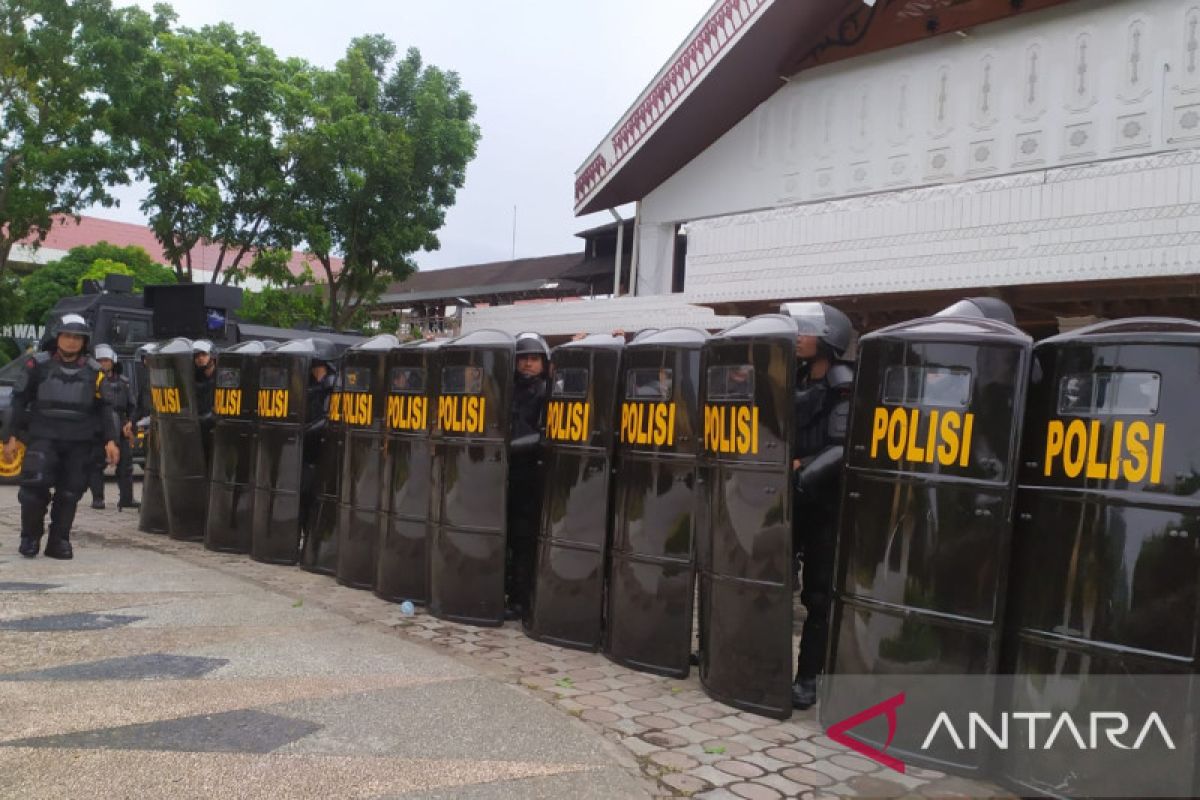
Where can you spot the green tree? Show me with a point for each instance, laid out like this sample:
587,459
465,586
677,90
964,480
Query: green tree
64,70
376,168
63,278
215,105
49,284
100,268
12,300
282,308
141,264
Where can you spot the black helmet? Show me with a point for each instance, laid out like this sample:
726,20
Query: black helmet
325,353
74,323
824,321
981,308
529,342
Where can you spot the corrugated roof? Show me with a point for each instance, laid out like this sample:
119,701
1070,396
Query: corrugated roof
523,274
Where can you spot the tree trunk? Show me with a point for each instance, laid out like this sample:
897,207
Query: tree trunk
327,266
6,246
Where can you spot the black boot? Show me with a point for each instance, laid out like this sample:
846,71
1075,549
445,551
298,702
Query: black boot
59,548
123,504
62,517
98,504
33,521
804,691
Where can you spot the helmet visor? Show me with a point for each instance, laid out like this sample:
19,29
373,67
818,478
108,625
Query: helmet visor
809,317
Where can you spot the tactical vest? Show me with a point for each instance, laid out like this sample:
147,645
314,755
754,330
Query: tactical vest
65,403
814,404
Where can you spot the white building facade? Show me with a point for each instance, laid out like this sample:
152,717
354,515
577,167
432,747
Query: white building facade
1059,147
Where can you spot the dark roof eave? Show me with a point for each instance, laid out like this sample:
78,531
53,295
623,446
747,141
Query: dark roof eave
403,298
735,86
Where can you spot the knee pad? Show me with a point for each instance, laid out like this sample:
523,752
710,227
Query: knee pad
37,470
68,495
33,495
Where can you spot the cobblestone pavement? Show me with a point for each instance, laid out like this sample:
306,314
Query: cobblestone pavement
687,744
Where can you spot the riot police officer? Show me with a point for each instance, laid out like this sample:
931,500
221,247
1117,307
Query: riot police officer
530,389
58,402
824,382
322,380
206,389
121,398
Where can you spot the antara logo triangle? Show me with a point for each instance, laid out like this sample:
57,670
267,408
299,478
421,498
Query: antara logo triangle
837,732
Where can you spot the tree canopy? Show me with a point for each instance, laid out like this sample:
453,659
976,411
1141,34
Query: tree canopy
64,76
241,149
381,161
215,106
64,278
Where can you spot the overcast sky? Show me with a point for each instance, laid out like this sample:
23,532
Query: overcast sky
549,77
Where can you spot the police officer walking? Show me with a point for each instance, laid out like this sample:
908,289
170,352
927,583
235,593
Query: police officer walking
120,396
824,383
58,402
530,389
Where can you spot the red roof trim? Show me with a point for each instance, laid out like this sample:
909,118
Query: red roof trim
66,233
703,49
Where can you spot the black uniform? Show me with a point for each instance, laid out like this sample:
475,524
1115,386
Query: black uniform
317,414
206,390
57,407
822,409
524,486
120,397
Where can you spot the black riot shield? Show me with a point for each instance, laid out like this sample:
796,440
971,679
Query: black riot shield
568,593
652,566
925,529
364,401
325,453
152,516
470,472
231,490
745,576
411,393
283,376
1106,563
183,468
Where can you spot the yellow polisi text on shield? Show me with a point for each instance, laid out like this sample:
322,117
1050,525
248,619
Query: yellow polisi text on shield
357,408
922,436
461,413
273,403
166,401
1132,451
407,412
228,402
648,423
731,429
568,421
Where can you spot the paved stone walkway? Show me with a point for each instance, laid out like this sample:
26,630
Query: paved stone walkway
684,744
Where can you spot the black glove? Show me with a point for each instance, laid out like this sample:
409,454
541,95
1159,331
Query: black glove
819,475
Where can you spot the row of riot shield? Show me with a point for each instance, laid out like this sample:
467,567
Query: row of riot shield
1022,520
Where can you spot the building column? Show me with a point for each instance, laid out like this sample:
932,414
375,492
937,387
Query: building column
656,254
